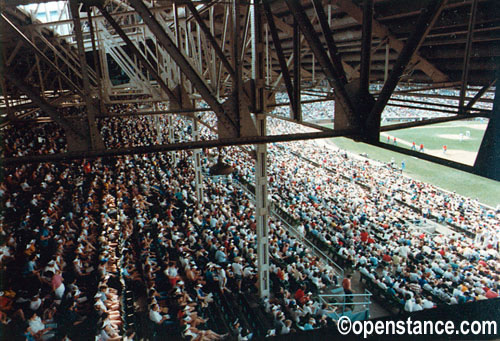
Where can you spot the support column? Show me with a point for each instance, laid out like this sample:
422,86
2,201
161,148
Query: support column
158,125
171,137
366,46
386,62
262,212
197,164
488,157
468,49
296,73
427,16
235,55
95,56
96,141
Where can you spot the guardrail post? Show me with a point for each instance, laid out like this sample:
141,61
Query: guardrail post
197,164
262,211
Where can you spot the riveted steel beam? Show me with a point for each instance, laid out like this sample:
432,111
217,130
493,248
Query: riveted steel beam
316,46
330,43
135,51
421,28
381,31
63,157
366,45
184,64
279,52
38,52
96,141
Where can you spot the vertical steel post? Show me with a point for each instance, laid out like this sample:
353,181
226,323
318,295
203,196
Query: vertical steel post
95,137
366,46
94,53
197,164
177,32
262,211
296,72
236,81
488,157
159,126
103,58
171,137
468,48
386,66
257,43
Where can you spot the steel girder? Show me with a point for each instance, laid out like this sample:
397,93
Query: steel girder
381,31
185,65
488,157
316,46
373,120
279,52
175,146
330,43
366,45
135,51
39,53
96,141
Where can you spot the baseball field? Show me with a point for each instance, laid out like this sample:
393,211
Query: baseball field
462,140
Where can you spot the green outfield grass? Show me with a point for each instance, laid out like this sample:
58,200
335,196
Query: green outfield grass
450,179
437,135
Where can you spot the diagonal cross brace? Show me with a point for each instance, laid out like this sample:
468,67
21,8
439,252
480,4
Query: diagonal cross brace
330,43
42,104
421,28
279,52
381,31
41,54
210,38
316,46
144,62
182,62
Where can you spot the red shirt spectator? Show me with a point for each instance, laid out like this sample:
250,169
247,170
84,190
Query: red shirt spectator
87,168
491,294
346,284
364,236
299,295
281,275
56,281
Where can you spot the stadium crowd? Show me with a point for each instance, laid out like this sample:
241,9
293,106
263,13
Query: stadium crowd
401,107
78,239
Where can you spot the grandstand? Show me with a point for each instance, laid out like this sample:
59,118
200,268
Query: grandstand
168,170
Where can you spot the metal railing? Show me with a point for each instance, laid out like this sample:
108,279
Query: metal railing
348,301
